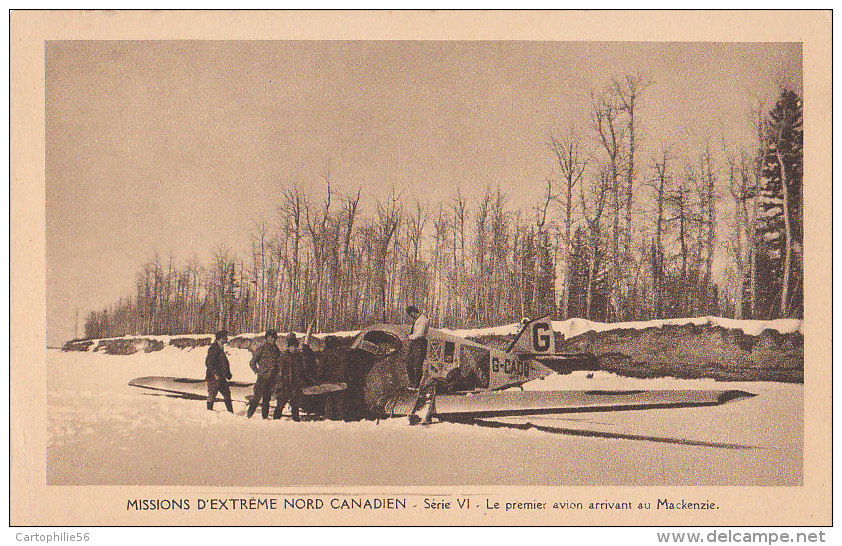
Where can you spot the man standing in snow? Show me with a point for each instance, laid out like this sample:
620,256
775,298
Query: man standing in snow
290,378
416,350
264,362
218,371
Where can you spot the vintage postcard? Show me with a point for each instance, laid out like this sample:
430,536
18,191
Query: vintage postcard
420,268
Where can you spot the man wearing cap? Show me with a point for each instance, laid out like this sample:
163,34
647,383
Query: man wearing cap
290,378
218,371
416,350
264,362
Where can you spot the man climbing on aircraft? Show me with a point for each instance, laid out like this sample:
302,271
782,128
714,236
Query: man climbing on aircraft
416,353
416,350
264,362
218,371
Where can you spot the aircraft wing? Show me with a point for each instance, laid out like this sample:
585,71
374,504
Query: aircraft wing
506,403
198,388
565,363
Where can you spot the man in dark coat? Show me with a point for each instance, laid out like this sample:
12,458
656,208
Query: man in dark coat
332,369
264,362
218,371
290,379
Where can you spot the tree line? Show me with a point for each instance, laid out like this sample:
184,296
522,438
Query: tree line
616,235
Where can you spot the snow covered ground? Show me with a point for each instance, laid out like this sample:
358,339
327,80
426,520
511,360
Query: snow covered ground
101,431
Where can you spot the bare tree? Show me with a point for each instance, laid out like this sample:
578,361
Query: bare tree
680,206
660,185
499,250
481,278
259,249
628,92
291,212
350,207
389,218
703,217
441,233
195,272
460,217
605,118
572,164
318,225
592,214
740,244
541,241
219,282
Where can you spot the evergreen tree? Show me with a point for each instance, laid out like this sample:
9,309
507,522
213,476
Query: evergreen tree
581,305
578,281
780,227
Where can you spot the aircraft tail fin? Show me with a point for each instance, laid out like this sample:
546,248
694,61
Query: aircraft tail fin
535,337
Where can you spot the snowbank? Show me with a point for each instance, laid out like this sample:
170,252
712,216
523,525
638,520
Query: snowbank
576,326
703,347
130,344
694,348
567,328
505,330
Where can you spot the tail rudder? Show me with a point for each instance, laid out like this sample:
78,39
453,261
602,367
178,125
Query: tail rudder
535,337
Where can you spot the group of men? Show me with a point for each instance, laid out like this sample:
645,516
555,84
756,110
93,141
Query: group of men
279,373
282,374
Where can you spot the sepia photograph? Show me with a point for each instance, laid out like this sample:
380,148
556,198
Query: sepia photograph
453,264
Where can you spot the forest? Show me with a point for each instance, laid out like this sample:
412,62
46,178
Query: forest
615,236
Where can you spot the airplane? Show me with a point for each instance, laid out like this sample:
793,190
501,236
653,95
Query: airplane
368,379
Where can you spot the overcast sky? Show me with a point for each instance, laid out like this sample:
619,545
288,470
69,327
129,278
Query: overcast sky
177,147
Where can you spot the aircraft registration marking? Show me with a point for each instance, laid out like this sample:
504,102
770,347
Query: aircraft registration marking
512,367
